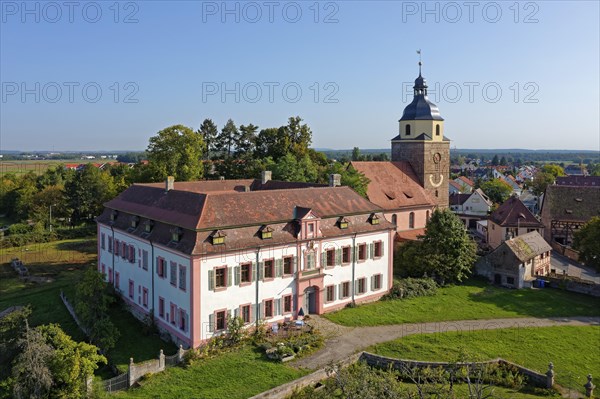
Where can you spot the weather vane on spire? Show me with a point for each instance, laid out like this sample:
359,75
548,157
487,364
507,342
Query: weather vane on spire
420,63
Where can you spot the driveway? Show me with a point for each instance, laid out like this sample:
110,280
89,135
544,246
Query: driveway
562,263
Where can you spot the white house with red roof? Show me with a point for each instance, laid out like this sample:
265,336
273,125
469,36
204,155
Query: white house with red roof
194,253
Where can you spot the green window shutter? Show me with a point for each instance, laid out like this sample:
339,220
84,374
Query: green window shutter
261,270
323,258
211,280
382,252
229,276
294,264
253,272
371,251
259,315
252,313
277,307
236,312
355,287
338,256
340,291
335,289
279,267
372,283
211,322
237,275
310,259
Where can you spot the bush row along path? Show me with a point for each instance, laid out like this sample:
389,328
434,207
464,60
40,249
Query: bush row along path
341,342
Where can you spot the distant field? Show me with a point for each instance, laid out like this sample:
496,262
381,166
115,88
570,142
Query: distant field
38,167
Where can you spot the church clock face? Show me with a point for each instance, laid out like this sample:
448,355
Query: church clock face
437,157
436,181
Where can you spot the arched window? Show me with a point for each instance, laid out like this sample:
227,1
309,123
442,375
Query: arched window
407,129
411,220
437,130
394,219
436,193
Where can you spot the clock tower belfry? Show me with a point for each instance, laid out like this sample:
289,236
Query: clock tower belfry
421,143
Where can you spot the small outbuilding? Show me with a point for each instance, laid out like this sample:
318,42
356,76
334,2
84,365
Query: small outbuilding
517,262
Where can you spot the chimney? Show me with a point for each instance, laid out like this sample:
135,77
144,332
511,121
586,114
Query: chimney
335,180
265,176
170,183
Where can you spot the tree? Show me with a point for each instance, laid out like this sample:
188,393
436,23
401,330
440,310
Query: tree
587,242
541,180
497,190
503,161
70,362
208,130
299,134
92,304
176,151
246,141
12,328
50,196
87,192
448,252
356,154
225,141
495,160
594,169
31,373
553,169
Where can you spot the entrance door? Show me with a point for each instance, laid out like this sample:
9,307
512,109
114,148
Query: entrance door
310,300
497,279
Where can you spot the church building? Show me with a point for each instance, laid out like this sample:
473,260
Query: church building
415,182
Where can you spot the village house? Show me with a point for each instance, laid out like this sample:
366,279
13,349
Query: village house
471,208
568,205
454,187
191,254
510,220
466,185
517,262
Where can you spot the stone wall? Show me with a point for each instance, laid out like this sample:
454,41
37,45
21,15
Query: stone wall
575,285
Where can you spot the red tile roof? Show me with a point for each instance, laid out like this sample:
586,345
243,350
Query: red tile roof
393,185
466,180
455,185
241,213
514,213
410,235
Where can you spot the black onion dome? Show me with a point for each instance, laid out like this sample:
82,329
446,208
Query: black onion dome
421,108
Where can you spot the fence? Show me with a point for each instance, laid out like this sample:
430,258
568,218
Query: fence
72,312
284,391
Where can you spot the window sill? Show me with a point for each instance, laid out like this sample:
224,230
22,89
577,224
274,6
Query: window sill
267,279
246,284
219,289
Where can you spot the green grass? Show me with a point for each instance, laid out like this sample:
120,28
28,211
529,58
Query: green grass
575,351
475,300
239,374
63,261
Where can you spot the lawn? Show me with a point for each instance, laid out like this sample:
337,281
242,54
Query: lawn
575,351
475,300
239,374
63,261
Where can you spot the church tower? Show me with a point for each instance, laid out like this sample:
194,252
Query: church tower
421,143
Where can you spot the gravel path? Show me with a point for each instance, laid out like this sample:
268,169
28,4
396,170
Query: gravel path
341,342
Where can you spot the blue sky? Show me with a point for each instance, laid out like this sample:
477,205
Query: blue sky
505,74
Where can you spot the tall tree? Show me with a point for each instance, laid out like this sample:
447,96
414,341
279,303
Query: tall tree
246,141
70,363
31,371
587,242
89,189
495,160
503,161
449,252
498,190
356,154
300,136
208,130
92,302
176,151
553,169
226,140
541,180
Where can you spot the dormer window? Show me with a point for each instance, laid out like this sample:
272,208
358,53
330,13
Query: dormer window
343,223
135,220
266,233
176,234
218,238
113,215
374,219
148,226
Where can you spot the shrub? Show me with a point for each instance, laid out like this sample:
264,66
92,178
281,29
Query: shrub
412,288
